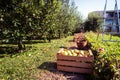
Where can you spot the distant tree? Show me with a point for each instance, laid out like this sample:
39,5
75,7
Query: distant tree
51,19
17,20
69,19
93,22
75,20
23,19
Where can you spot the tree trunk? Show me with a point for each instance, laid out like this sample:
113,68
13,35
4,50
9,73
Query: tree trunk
20,48
59,34
49,39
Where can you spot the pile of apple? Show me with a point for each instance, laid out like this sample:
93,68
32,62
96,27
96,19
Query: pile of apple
74,52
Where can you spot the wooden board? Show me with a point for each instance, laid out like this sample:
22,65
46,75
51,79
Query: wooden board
74,64
75,58
74,69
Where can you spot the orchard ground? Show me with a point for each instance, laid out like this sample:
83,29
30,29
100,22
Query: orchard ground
38,61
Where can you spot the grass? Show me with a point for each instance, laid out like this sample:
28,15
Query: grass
29,64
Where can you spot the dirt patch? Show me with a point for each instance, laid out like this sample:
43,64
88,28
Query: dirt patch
50,72
58,75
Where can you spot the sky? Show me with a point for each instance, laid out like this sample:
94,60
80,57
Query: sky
87,6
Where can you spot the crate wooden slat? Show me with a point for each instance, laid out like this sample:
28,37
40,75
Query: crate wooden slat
75,58
74,69
75,63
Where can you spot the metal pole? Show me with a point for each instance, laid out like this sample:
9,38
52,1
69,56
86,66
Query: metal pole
118,21
104,14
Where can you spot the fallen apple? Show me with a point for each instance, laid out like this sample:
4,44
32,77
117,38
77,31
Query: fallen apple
101,50
64,53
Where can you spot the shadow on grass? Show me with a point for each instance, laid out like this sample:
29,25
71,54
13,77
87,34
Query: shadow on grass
26,42
34,41
9,51
52,67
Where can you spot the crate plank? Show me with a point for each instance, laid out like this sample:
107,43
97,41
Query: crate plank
75,58
75,64
73,69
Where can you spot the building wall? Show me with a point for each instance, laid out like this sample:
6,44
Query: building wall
110,21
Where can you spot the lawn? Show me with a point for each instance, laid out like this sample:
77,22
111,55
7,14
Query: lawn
30,64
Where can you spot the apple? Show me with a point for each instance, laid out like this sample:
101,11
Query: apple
101,50
72,51
82,52
74,54
76,51
64,53
80,55
86,53
69,53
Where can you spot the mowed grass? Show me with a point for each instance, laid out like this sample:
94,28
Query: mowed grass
28,65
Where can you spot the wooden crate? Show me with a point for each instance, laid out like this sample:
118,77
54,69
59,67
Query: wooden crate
75,63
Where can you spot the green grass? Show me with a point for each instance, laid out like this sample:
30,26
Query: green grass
27,65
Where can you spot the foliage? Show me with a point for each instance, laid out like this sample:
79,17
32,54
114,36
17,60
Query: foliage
93,23
30,19
69,19
17,20
107,63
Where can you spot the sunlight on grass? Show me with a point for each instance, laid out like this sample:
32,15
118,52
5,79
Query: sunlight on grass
21,66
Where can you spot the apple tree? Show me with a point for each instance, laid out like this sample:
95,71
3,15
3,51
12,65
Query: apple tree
17,19
93,22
